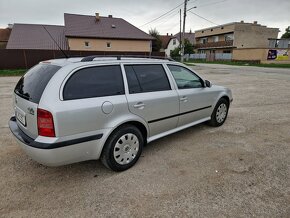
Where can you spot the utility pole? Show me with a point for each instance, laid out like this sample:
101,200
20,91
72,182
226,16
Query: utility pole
180,41
183,31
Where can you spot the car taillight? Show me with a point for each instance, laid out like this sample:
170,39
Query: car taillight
45,123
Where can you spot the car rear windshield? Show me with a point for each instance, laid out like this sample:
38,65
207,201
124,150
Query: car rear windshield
33,83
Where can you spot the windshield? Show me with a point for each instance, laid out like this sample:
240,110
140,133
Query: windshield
33,83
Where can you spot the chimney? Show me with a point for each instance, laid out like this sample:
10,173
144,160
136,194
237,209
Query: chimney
171,34
242,21
110,16
255,22
97,17
166,34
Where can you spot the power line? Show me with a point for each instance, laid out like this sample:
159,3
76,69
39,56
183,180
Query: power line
212,3
204,18
161,15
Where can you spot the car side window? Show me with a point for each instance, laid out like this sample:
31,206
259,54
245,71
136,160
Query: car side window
94,82
146,78
185,79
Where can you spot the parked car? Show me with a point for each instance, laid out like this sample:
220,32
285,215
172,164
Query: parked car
77,109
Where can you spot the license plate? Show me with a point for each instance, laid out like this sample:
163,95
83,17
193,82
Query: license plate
21,118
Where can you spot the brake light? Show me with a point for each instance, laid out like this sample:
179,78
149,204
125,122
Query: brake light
45,123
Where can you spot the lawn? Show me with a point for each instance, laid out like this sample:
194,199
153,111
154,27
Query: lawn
239,63
18,72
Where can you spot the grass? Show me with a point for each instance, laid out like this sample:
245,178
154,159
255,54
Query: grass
237,63
17,72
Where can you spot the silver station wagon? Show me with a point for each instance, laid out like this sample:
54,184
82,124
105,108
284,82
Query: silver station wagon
108,108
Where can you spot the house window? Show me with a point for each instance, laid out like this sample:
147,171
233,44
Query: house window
229,37
174,41
215,38
108,45
203,40
87,44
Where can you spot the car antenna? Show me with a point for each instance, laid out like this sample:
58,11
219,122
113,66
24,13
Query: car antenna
55,42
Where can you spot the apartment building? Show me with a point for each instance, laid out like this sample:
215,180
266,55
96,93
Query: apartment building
237,35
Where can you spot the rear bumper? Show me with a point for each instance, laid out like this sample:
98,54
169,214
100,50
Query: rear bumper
58,153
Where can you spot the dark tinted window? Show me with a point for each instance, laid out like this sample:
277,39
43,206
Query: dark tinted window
33,83
146,78
94,82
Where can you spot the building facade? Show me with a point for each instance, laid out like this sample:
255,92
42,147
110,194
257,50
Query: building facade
238,35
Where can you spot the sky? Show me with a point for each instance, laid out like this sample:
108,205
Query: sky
272,13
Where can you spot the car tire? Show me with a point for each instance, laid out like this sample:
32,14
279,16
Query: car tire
220,113
123,148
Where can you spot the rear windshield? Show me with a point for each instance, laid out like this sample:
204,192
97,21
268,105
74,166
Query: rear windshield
33,83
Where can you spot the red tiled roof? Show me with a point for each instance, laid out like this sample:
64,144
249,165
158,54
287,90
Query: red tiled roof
4,34
34,36
106,27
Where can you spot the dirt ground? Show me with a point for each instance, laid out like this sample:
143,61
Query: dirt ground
241,169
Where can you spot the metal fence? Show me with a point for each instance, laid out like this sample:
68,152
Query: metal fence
210,57
24,59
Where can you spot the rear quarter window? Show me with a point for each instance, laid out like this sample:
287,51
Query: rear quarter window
94,82
33,83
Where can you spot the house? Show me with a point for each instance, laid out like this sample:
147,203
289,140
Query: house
4,37
237,35
82,33
190,36
98,33
169,43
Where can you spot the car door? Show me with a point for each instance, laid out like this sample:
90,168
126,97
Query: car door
152,97
195,99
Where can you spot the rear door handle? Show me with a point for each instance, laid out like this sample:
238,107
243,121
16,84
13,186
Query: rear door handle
139,105
183,98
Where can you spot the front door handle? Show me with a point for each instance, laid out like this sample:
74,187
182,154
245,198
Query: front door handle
183,98
139,105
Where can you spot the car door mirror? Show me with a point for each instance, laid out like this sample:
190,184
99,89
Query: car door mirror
207,83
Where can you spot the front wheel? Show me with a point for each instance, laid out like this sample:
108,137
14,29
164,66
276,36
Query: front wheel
123,148
220,113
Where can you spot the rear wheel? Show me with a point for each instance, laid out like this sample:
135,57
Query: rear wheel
123,148
220,113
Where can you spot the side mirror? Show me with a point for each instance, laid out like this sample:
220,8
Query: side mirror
207,83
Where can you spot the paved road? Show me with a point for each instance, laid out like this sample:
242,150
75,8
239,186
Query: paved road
241,169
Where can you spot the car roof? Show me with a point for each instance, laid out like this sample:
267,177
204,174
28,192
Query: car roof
105,60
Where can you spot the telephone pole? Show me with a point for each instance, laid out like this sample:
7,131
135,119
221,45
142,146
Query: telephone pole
180,42
183,31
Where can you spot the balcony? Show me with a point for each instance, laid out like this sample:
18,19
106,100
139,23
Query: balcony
219,44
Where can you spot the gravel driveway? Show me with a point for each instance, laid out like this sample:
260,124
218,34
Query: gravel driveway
241,169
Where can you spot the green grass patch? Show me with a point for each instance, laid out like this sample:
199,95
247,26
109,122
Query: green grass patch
18,72
237,63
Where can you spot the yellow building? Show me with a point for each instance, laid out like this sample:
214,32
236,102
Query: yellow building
109,34
234,36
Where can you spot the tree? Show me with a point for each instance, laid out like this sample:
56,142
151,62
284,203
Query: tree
286,35
188,47
175,53
157,43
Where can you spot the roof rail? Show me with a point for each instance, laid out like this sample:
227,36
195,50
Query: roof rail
119,57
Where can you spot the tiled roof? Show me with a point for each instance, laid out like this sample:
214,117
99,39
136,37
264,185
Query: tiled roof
4,34
190,36
165,40
105,27
34,36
